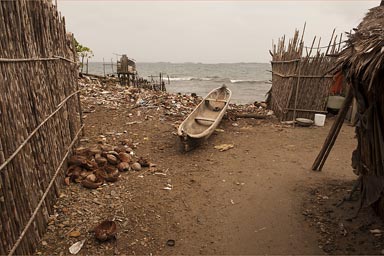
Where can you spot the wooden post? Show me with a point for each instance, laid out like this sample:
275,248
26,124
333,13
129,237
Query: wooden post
354,111
104,67
82,63
296,93
160,83
87,64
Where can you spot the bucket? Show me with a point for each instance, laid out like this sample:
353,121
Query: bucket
319,119
335,102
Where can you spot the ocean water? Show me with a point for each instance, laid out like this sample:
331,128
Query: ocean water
249,82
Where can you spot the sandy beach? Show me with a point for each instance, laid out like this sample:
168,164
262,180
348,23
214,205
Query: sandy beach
260,197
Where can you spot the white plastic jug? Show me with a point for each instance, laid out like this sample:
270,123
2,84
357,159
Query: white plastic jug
319,119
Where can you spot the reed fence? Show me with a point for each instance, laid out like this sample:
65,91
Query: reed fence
300,86
40,118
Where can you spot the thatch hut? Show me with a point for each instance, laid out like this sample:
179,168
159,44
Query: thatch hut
362,63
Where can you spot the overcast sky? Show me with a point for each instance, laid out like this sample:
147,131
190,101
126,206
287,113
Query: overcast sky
203,31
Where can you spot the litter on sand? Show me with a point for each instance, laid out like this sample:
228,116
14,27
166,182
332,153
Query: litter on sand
224,147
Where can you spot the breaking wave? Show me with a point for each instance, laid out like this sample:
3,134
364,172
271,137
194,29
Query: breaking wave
233,81
215,79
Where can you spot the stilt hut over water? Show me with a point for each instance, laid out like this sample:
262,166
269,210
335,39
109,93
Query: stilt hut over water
126,70
299,86
362,63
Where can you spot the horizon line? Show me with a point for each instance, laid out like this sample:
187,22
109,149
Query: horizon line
193,62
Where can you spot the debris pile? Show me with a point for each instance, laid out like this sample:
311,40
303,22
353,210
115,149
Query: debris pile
110,94
257,110
93,166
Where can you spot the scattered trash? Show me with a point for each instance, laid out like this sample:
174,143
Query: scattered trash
74,234
260,229
168,187
343,231
171,242
76,247
375,231
224,147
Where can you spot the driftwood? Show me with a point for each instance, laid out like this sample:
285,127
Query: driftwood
40,118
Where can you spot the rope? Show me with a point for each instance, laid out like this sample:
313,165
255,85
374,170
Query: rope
44,195
37,59
2,166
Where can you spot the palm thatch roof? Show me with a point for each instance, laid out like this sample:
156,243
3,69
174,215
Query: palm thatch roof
364,56
362,63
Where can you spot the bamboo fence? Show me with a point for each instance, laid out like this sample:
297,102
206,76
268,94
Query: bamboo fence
40,118
299,85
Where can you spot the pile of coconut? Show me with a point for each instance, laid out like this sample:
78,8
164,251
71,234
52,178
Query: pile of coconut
92,166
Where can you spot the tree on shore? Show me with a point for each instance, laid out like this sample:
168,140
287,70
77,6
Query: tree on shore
82,53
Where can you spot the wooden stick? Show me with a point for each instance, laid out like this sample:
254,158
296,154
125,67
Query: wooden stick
333,133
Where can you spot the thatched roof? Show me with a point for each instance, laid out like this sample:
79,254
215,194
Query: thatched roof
363,59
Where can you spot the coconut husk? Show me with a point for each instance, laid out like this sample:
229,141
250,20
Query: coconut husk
77,160
125,157
101,161
112,173
143,162
120,149
94,151
112,159
92,184
123,167
74,172
83,151
136,166
105,230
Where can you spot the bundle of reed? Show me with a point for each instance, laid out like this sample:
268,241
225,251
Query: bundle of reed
299,85
39,118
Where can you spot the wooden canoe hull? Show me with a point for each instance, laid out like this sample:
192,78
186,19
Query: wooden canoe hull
205,118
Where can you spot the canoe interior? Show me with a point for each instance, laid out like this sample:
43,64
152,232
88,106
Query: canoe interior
207,115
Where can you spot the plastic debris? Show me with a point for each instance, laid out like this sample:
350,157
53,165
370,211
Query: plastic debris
76,247
224,147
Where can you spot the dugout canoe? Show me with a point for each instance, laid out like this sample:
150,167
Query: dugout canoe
204,119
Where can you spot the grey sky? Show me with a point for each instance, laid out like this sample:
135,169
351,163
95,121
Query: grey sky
203,31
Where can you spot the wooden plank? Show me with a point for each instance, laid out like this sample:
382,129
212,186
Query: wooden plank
218,100
205,119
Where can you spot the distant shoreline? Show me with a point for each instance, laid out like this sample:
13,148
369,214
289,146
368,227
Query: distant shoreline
192,63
